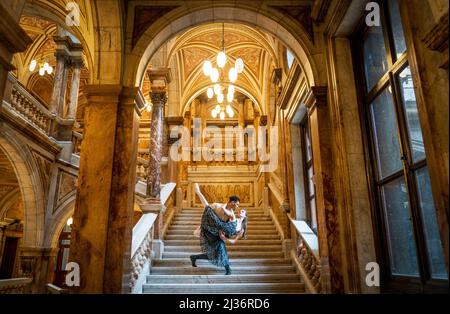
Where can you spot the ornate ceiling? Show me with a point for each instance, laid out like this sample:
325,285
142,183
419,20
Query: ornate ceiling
186,53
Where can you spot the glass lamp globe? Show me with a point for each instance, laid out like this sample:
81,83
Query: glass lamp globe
239,65
41,71
210,93
217,89
214,113
221,59
50,69
232,75
32,66
231,89
220,98
207,67
217,108
231,113
230,97
214,75
222,115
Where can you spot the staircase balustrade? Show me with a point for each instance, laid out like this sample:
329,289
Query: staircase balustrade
29,108
143,236
15,285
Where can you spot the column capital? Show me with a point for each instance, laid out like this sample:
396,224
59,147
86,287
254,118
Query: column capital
158,97
160,75
316,96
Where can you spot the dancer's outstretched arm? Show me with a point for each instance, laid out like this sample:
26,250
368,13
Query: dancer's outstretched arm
200,195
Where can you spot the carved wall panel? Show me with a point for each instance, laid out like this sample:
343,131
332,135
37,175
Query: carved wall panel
220,193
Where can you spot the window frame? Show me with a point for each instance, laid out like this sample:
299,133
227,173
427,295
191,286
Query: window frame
409,167
305,131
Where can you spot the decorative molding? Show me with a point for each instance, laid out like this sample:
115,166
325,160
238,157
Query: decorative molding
263,120
319,10
289,86
146,16
316,96
44,166
301,14
437,37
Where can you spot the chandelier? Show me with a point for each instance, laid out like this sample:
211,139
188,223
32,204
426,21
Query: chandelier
219,83
43,67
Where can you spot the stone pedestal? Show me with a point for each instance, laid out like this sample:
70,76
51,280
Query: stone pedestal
102,227
37,263
154,205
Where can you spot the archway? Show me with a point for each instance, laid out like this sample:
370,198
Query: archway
293,36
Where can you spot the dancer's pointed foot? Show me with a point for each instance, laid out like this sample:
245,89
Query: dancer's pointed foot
227,270
193,259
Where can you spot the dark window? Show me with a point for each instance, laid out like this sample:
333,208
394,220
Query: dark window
308,175
410,249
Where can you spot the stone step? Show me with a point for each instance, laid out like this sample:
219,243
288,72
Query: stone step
190,236
230,248
225,288
249,227
200,213
231,254
214,279
239,243
213,270
185,262
197,222
250,232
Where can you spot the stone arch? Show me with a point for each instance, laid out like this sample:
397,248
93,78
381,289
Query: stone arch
30,188
293,38
63,212
55,12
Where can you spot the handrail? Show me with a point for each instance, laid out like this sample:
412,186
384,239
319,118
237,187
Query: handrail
15,285
307,256
53,289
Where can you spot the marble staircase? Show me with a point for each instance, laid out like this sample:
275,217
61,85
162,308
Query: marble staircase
258,263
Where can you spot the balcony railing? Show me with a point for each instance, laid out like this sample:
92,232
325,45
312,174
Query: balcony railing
29,108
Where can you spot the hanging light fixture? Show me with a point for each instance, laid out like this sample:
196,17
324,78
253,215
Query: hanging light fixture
210,93
43,67
216,78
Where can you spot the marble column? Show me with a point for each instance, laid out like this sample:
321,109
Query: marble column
74,88
327,218
102,226
159,99
14,39
59,82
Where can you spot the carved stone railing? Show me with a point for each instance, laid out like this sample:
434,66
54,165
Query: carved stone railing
141,250
29,108
143,235
307,256
15,285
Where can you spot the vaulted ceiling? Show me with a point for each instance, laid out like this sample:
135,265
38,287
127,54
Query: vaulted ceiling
186,53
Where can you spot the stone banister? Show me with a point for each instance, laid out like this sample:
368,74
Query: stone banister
15,285
143,234
306,256
29,108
